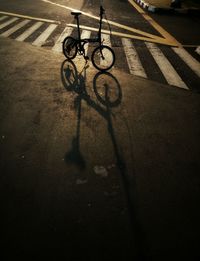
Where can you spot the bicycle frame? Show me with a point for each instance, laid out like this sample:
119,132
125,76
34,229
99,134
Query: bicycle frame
82,42
102,57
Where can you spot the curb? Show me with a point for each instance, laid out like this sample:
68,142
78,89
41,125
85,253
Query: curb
154,9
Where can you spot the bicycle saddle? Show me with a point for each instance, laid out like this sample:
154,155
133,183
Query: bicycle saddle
76,13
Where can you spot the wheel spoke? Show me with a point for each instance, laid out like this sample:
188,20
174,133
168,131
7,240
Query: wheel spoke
103,58
70,47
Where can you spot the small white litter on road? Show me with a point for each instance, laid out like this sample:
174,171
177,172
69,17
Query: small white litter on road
81,181
101,171
111,166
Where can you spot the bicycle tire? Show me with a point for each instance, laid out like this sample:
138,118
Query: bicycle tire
69,75
70,47
103,58
111,96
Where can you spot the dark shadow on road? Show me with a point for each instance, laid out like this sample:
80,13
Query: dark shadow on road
76,82
108,94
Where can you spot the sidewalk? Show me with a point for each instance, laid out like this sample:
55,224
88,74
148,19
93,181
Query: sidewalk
167,3
84,178
187,6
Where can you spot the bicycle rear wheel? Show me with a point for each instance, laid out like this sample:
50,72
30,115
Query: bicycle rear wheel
103,58
69,75
70,47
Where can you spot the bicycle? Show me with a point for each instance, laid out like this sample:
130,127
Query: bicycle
103,57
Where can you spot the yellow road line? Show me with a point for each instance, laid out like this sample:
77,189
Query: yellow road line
161,41
111,22
167,40
31,17
160,29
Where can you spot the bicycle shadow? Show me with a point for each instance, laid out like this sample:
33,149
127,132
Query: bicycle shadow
76,82
108,94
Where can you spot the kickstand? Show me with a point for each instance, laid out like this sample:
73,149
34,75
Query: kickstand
86,62
86,57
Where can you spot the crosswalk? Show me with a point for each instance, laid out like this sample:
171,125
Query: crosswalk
39,41
134,63
172,65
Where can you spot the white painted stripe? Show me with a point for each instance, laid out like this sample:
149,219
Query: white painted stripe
86,34
40,40
31,17
15,28
133,60
10,21
198,50
29,31
165,66
58,45
106,39
131,36
133,30
188,59
3,17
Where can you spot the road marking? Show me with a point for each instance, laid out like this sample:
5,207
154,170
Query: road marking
145,36
133,60
161,41
133,30
160,29
29,31
31,17
15,28
86,34
40,40
58,45
3,18
10,21
188,59
165,66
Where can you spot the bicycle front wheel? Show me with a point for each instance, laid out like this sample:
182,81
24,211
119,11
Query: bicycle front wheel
70,47
103,58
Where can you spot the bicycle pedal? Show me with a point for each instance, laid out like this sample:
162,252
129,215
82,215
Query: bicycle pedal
86,57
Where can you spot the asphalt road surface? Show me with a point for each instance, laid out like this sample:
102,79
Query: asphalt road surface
44,24
100,166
